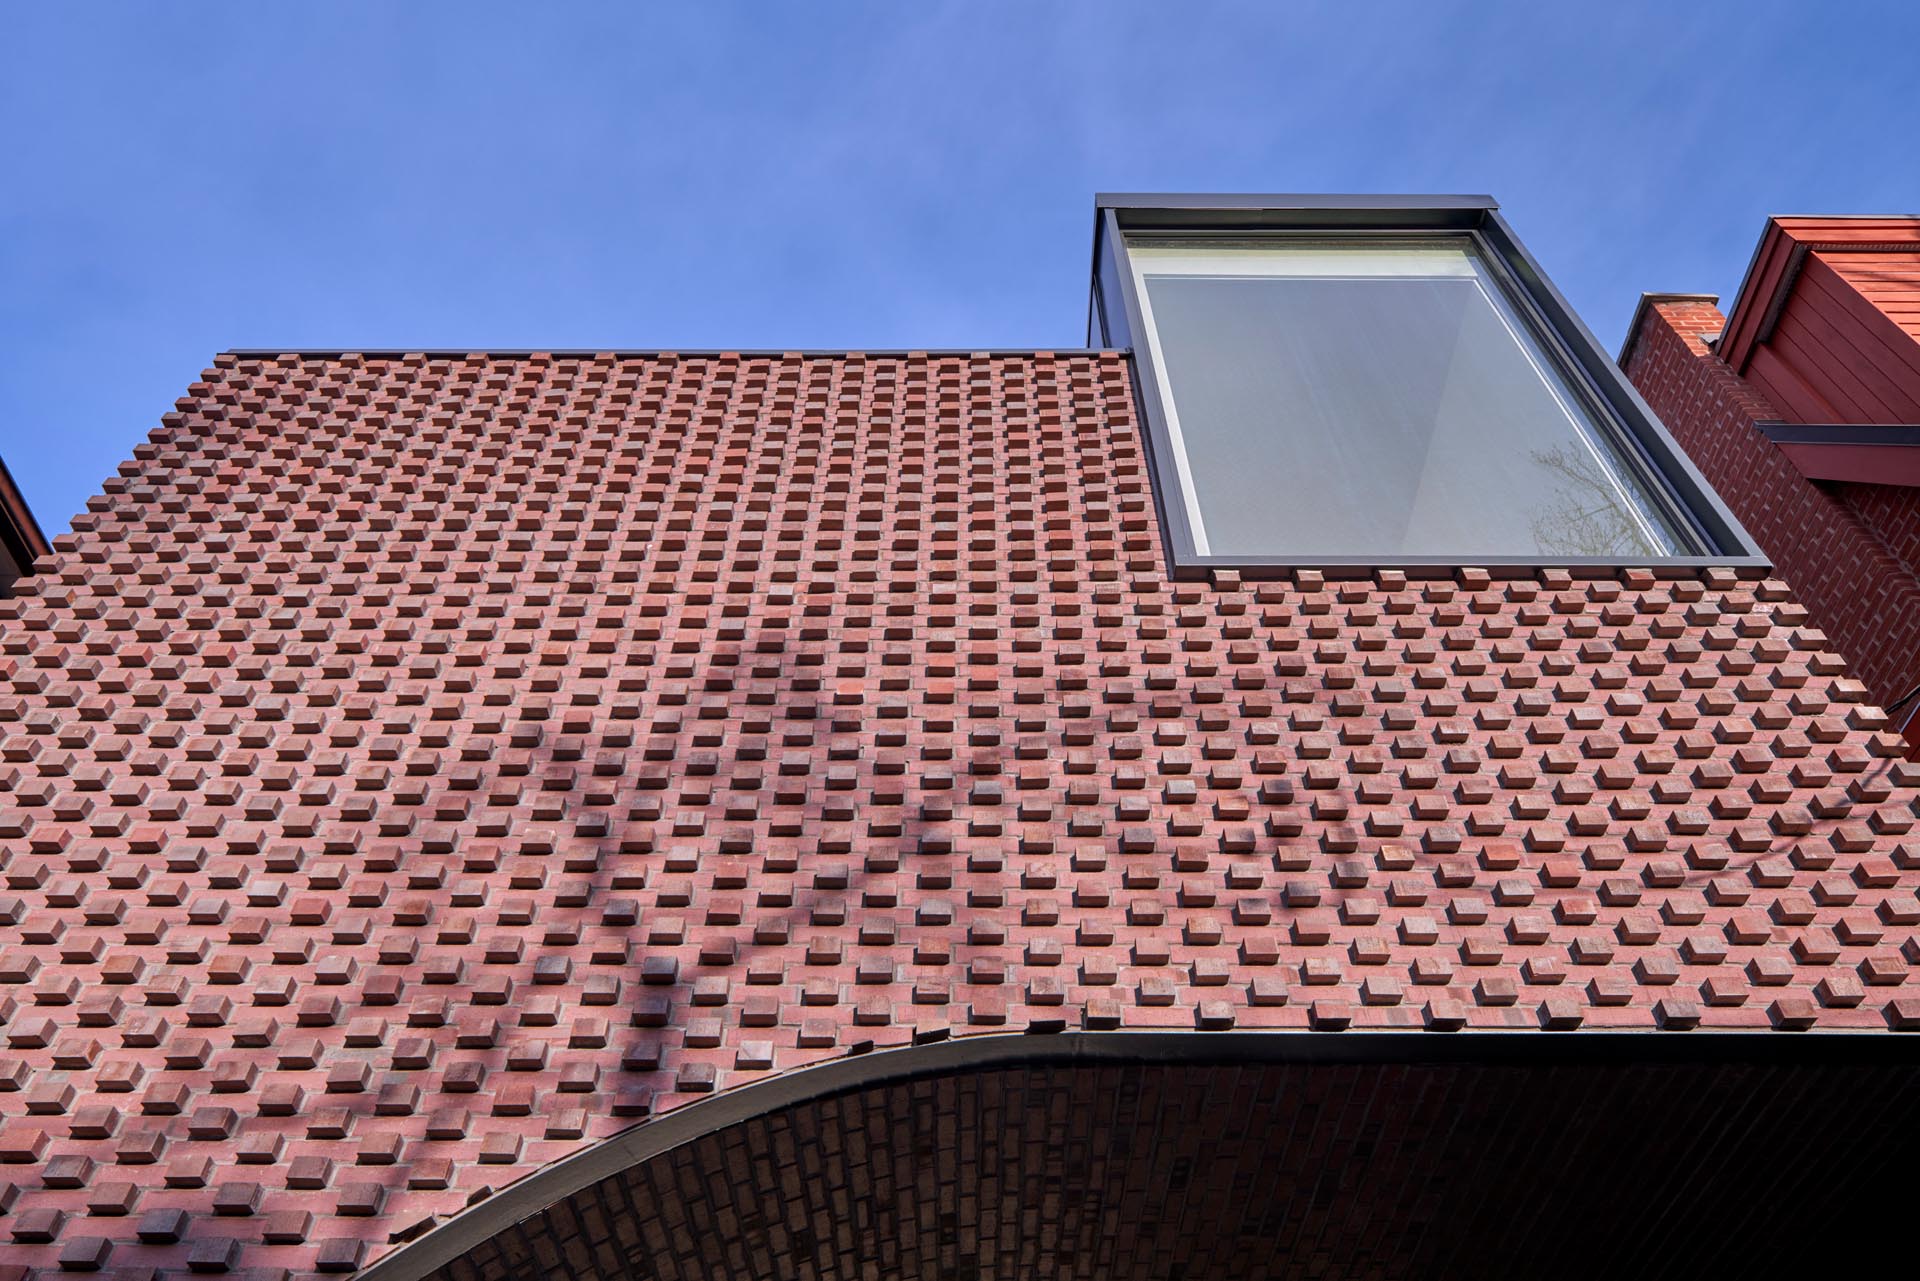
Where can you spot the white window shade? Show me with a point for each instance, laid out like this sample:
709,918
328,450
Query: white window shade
1378,397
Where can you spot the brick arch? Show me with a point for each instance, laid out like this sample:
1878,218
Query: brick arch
1243,1154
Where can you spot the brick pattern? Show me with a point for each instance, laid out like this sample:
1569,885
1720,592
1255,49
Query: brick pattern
1359,1171
413,769
1847,551
1892,513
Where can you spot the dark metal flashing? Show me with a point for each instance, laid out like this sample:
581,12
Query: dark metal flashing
1863,455
1742,295
1785,433
1777,302
1278,202
661,353
20,532
1640,309
649,1139
1692,499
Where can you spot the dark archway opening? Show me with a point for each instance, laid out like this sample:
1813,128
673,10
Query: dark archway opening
1720,1159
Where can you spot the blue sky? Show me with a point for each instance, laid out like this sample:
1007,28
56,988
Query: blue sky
181,179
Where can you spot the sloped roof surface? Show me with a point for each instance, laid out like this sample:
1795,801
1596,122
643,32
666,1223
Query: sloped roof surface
414,769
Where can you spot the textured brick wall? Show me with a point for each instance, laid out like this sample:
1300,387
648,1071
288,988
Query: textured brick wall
1851,553
1892,513
415,769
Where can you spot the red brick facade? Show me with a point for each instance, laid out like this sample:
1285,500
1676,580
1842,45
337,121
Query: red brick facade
416,769
1851,553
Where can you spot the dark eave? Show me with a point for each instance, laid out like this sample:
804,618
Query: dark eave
1864,455
20,533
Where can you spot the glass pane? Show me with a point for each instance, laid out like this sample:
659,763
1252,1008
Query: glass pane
1376,398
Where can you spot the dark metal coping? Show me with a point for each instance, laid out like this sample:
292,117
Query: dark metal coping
1640,309
637,353
19,530
1784,433
648,1139
1267,203
1850,452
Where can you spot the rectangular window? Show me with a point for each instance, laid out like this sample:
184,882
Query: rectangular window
1353,387
1376,397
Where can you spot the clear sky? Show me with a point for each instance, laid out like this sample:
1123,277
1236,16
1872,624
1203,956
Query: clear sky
176,179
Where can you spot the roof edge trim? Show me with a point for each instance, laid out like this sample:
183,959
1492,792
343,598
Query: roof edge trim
635,353
19,528
1286,200
1850,453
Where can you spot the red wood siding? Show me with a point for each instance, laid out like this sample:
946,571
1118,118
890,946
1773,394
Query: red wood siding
1834,356
1890,281
1827,325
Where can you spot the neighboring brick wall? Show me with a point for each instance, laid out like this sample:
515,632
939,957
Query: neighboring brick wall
1892,512
414,769
1843,551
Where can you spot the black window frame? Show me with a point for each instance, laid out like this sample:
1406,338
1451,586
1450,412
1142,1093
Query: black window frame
1115,321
